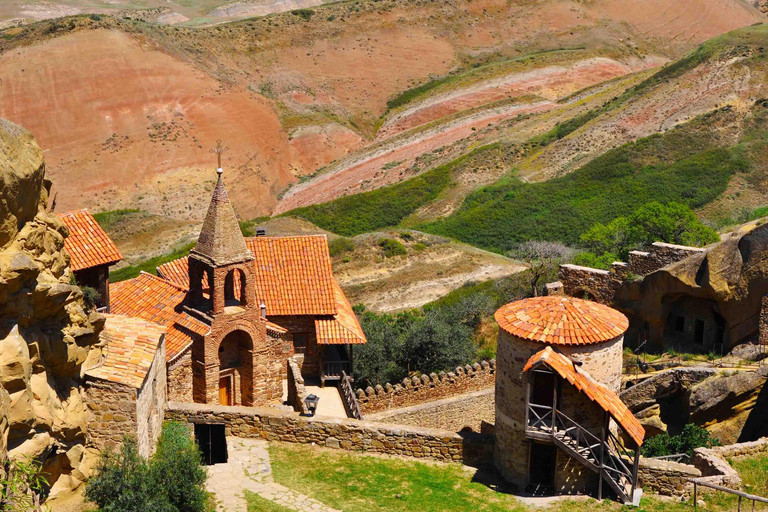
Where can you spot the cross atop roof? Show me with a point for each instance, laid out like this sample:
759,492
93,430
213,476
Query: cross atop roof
218,150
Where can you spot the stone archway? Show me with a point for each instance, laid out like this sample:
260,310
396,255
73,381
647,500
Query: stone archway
235,356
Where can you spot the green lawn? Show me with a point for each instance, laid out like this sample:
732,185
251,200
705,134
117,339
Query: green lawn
258,504
355,482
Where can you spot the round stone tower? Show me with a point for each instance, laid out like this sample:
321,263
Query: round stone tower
591,336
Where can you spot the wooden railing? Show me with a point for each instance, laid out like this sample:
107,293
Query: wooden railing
348,397
334,369
607,457
742,495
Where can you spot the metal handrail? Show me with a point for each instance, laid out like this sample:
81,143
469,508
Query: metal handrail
697,481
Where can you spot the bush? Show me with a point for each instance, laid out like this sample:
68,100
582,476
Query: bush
91,297
172,481
304,13
23,486
692,437
392,247
340,245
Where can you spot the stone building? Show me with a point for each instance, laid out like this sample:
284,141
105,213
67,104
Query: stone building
91,253
236,309
126,389
560,425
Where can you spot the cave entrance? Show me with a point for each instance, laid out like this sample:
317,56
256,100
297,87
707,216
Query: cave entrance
212,441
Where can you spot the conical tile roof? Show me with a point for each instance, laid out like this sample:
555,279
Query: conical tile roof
221,242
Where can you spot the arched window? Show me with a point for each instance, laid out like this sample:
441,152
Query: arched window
234,288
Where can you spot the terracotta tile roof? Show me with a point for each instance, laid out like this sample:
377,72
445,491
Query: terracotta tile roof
131,346
561,320
293,274
157,300
87,244
343,328
601,395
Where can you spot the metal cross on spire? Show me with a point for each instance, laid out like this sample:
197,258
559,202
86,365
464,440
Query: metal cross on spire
218,150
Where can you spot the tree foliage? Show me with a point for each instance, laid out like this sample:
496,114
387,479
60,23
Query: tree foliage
171,481
23,486
692,437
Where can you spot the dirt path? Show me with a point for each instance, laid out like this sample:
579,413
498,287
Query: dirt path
248,469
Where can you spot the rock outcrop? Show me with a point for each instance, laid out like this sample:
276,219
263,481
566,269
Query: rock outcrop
46,332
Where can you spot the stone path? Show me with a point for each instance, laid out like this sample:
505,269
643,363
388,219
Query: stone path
330,403
248,469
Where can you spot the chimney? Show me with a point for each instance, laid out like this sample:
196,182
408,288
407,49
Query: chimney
261,231
263,308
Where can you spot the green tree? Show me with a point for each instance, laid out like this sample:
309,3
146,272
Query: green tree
177,465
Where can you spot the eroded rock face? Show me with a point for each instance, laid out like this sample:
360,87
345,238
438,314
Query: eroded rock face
45,332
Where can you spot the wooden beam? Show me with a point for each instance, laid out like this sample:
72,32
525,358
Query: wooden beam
603,433
528,400
635,469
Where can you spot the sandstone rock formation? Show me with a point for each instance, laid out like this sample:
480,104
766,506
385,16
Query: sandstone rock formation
46,332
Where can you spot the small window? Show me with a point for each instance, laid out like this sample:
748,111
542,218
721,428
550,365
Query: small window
300,343
679,324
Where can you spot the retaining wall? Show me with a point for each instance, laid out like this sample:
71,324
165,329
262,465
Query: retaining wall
347,434
427,388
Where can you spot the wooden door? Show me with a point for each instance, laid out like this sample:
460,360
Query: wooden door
225,391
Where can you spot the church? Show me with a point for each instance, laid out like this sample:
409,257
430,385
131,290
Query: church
237,308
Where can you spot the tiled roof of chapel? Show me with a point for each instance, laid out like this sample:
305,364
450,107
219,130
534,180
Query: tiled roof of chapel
561,320
598,393
293,274
157,300
130,346
87,244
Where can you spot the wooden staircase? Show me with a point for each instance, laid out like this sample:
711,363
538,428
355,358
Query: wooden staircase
604,456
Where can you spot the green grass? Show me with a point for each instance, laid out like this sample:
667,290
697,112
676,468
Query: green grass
258,504
107,220
149,265
354,482
686,165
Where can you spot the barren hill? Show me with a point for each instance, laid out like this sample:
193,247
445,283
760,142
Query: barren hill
127,110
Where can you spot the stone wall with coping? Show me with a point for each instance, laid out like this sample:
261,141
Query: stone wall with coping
150,403
426,388
714,467
659,255
598,285
666,477
111,412
476,411
297,392
347,434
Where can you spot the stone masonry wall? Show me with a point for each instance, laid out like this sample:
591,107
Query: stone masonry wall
150,404
598,285
476,411
297,392
111,411
666,477
347,434
764,321
715,468
418,390
180,379
659,255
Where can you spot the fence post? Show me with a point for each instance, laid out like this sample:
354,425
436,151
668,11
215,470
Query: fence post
739,503
695,501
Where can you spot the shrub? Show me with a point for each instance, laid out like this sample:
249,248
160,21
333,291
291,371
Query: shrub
340,245
22,488
392,247
692,437
172,481
418,247
304,13
91,297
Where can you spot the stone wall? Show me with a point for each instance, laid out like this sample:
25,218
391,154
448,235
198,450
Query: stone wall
180,378
666,477
347,434
297,393
475,411
427,388
659,255
305,325
111,411
714,467
150,403
763,329
584,282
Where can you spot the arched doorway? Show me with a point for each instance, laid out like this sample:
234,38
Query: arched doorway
236,369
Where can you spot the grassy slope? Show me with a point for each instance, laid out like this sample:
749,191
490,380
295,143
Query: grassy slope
691,164
353,482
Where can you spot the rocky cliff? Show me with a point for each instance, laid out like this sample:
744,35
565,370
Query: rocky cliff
46,331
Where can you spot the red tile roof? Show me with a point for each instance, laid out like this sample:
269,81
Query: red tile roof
561,320
130,347
595,391
342,329
293,274
87,244
157,300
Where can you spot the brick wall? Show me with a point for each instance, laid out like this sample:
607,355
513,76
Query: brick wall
418,390
476,411
112,412
347,434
